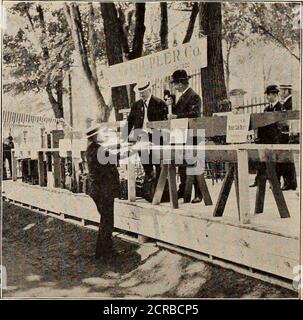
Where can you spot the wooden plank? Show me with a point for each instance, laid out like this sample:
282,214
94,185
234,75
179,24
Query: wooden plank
224,192
230,266
204,190
160,185
236,180
188,188
276,190
228,153
243,178
41,169
56,169
216,126
172,184
131,179
260,195
14,166
267,252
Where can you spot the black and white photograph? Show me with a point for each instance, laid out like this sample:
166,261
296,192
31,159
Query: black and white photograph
151,150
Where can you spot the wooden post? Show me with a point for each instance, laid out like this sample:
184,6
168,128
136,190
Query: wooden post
204,190
275,187
188,188
14,166
172,186
56,169
224,192
41,169
236,180
131,179
243,181
160,185
260,196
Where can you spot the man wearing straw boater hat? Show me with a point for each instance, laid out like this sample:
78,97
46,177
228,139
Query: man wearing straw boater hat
187,106
285,92
103,186
146,108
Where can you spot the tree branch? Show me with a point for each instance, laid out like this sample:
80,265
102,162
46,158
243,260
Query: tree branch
42,25
164,26
124,29
191,23
269,33
91,36
139,31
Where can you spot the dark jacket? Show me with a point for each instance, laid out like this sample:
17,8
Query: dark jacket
103,178
287,105
188,105
270,134
156,111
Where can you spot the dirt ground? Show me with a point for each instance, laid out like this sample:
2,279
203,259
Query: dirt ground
46,257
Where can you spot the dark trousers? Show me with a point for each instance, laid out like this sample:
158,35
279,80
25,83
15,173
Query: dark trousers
288,172
105,206
285,170
182,173
262,172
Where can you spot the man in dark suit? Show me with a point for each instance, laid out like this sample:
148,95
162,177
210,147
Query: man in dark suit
288,170
270,134
285,92
187,106
147,108
103,188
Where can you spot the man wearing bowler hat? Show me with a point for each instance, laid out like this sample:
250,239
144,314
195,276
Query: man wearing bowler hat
103,187
187,106
146,108
270,134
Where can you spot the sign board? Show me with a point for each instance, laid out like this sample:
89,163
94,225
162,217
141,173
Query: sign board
237,128
192,55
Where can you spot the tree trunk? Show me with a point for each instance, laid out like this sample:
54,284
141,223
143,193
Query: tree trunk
191,23
164,26
57,105
113,43
227,70
137,46
73,17
212,77
139,32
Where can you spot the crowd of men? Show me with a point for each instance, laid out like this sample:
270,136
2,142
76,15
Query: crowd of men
277,133
104,179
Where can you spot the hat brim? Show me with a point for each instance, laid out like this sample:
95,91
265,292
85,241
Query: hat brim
144,88
180,79
92,134
272,91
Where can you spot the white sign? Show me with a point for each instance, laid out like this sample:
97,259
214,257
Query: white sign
237,128
178,130
192,55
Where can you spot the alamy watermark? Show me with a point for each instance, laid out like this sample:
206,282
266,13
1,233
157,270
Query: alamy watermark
177,146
